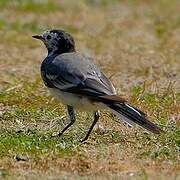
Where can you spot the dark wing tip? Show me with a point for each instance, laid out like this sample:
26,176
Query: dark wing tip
157,130
114,98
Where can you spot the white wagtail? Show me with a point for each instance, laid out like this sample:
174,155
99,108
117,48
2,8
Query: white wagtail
74,80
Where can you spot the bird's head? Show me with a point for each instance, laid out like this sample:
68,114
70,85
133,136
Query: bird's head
57,41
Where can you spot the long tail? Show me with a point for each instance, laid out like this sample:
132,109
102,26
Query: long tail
129,114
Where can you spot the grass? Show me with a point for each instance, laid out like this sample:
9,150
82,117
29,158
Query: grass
136,43
36,6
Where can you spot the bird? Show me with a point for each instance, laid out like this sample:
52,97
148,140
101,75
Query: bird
78,83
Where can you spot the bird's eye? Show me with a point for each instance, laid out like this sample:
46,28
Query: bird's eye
48,37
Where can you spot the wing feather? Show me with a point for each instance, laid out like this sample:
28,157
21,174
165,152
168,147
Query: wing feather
75,74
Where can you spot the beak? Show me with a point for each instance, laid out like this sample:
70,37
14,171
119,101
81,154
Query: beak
40,37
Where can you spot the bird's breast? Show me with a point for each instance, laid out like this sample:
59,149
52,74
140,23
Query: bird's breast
79,102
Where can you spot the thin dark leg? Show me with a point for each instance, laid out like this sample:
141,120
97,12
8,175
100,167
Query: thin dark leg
72,119
96,117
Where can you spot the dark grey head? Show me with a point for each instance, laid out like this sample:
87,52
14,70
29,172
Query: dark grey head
57,41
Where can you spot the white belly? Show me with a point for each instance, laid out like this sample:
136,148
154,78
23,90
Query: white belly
78,102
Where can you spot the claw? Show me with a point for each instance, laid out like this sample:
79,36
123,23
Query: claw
56,134
83,141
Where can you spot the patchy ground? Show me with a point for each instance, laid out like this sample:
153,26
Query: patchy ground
137,44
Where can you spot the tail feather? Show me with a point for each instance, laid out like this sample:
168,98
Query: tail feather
133,116
128,114
124,119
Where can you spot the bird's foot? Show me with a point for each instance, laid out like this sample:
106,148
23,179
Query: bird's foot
83,141
56,134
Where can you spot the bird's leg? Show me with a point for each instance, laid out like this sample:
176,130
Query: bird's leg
72,117
96,117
